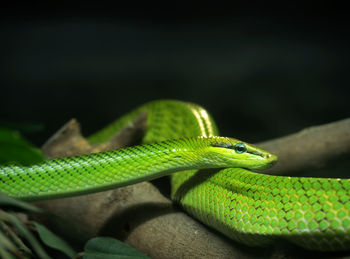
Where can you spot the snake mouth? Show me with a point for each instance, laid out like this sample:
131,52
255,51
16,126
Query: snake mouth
267,160
270,159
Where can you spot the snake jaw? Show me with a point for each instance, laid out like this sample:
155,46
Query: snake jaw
247,156
270,160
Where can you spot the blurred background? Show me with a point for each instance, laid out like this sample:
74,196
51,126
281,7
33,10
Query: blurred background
261,72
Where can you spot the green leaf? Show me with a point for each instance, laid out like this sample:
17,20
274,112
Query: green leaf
26,234
52,240
6,201
23,127
110,248
16,150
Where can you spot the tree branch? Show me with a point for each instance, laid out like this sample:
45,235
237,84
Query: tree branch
310,149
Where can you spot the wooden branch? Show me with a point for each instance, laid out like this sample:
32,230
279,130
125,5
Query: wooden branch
145,219
311,148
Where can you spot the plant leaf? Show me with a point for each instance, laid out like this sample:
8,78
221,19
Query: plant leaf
27,235
16,150
52,240
108,248
18,205
22,127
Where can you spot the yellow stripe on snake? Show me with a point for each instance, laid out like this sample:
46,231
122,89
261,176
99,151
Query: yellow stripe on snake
180,139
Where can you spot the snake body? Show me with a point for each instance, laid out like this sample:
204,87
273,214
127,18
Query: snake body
248,207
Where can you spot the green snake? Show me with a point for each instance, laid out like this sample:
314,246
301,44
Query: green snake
251,208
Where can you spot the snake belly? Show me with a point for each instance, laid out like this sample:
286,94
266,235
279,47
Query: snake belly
248,207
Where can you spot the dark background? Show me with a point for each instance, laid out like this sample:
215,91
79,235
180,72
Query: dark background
262,72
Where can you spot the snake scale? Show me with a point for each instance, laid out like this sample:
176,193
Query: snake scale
251,208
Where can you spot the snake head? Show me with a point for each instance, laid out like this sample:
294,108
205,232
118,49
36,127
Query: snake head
236,153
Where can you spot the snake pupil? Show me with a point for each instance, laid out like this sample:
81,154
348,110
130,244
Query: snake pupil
240,148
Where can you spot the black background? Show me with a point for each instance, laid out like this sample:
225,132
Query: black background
262,71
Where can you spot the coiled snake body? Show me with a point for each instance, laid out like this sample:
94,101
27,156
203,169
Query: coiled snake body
248,207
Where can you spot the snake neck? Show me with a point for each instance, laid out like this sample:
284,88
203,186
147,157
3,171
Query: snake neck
102,171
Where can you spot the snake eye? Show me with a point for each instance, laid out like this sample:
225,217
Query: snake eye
240,148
